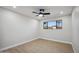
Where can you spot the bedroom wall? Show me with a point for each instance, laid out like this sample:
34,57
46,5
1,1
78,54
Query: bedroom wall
75,24
16,28
64,34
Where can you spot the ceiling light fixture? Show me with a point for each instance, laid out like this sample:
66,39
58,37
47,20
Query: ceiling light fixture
40,15
61,12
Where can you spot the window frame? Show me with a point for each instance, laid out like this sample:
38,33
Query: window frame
57,26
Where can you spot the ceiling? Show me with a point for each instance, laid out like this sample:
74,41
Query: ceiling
54,10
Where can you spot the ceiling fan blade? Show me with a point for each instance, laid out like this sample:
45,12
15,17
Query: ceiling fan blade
46,13
34,12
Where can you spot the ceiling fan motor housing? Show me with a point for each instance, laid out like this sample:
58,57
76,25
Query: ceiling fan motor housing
42,10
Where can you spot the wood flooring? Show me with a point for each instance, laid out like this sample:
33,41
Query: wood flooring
41,46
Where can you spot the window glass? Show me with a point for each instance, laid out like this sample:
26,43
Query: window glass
57,24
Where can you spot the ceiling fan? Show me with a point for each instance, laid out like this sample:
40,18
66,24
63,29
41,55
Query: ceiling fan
41,13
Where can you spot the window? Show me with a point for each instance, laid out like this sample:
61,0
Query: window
57,24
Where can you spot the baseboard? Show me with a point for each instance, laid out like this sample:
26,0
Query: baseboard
32,40
58,40
16,45
74,48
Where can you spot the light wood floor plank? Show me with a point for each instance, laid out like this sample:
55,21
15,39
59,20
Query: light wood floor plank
42,46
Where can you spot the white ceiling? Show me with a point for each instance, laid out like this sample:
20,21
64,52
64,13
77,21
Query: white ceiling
54,10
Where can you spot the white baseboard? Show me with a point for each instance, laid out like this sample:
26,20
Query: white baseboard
58,40
16,45
74,48
32,40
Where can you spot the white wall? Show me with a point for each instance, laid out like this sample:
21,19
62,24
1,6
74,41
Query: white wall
64,34
16,28
75,24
